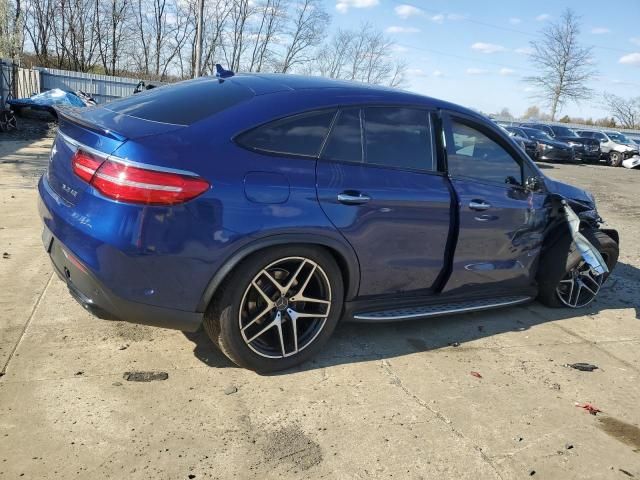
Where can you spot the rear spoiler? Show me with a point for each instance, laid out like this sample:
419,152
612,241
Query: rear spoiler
74,115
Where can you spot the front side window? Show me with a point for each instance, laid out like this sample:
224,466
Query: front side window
600,136
398,137
474,155
301,134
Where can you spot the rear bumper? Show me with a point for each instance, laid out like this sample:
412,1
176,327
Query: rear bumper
96,298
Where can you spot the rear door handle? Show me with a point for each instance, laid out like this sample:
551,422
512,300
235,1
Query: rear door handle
353,198
479,205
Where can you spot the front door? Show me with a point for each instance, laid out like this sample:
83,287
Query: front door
501,223
377,183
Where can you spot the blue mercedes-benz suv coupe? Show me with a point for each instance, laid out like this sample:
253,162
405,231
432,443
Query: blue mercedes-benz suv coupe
269,207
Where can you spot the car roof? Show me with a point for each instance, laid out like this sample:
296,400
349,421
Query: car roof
337,91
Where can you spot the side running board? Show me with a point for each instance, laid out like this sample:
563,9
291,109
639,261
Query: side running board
451,308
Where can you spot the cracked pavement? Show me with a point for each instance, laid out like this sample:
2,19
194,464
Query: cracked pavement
382,401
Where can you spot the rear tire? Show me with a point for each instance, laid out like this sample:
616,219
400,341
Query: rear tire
254,297
564,258
615,159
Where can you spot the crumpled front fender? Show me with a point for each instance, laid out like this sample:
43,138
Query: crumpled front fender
589,253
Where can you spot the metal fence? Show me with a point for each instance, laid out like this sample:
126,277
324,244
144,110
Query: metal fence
6,75
103,88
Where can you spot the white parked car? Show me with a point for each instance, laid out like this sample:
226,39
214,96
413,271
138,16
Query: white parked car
615,147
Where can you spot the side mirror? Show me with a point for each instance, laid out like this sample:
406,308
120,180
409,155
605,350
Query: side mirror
533,184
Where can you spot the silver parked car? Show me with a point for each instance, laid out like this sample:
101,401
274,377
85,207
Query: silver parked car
614,145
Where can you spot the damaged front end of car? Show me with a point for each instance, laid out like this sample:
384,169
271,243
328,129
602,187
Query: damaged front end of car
590,254
577,253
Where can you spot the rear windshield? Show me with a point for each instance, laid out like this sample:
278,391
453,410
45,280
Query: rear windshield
183,103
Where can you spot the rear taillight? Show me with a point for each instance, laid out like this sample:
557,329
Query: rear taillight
85,165
126,183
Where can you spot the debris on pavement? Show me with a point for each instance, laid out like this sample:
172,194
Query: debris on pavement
568,446
6,255
454,344
628,474
145,376
589,408
583,367
230,390
476,374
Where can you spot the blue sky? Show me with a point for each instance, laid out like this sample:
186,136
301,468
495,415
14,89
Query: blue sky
474,52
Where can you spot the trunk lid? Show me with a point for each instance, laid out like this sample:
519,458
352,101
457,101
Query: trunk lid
95,130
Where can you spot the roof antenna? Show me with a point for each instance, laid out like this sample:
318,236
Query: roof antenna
222,73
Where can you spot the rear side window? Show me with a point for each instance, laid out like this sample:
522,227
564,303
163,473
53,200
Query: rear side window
183,103
296,135
398,137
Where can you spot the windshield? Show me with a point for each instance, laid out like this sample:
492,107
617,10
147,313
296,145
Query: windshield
537,134
618,137
564,132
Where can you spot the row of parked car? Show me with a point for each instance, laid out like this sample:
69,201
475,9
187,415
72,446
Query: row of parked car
557,143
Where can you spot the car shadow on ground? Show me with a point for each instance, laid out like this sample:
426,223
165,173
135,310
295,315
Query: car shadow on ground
363,342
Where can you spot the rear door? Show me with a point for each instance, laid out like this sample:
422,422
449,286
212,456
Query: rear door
500,222
377,183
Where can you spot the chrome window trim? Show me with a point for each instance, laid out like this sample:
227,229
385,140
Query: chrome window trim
124,161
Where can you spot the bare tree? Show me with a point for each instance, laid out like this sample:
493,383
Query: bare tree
214,31
110,24
310,22
625,110
273,15
39,17
365,55
236,40
563,66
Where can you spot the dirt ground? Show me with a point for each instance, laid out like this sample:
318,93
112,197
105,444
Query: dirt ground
382,401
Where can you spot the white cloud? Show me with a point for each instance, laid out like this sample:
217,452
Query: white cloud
600,30
397,29
515,21
416,72
506,71
343,6
487,47
455,16
406,11
542,17
439,18
635,40
438,73
528,89
524,50
631,59
399,49
476,71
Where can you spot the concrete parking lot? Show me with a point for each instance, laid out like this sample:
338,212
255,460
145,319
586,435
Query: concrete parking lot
382,401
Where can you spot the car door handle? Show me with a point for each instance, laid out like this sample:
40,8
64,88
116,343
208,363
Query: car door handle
353,198
479,205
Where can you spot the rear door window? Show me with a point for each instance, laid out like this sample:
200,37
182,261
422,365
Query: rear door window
183,103
301,135
395,137
398,137
345,142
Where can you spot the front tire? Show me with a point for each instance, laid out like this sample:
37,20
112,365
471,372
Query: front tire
278,308
615,159
564,279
